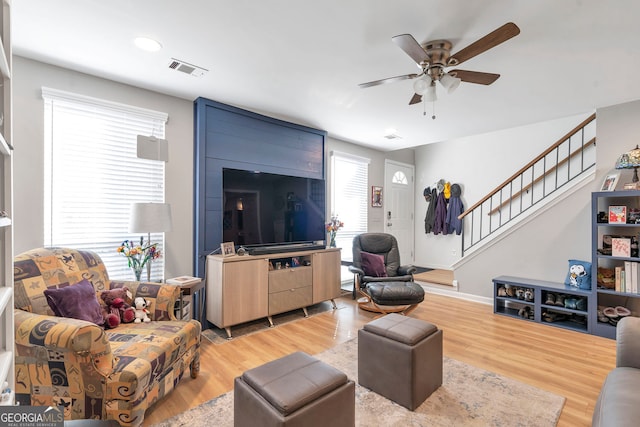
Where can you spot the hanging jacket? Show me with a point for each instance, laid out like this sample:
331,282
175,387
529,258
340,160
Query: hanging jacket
455,209
430,218
440,224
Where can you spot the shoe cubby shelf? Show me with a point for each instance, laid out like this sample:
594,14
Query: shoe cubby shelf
541,301
607,291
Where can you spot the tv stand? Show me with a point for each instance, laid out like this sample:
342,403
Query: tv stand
242,288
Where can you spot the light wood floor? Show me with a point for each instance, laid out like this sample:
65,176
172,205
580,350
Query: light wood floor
567,363
441,277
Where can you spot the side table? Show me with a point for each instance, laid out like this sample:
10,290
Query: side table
192,287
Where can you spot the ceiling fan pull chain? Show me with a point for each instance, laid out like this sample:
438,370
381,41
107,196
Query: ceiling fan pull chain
433,111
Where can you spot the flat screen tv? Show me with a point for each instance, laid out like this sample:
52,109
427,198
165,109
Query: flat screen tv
270,211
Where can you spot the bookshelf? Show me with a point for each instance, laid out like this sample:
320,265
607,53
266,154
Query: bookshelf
6,206
605,260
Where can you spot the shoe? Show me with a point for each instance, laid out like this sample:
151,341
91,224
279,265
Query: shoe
581,304
502,292
551,299
622,311
570,303
528,295
524,312
601,317
552,316
610,312
560,300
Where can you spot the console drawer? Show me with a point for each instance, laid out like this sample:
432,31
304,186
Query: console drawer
289,278
290,299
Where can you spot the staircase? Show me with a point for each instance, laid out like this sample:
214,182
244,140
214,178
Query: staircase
546,177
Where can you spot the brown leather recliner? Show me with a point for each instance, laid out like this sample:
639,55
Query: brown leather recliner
394,289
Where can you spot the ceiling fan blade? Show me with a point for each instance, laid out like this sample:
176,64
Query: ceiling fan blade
411,47
492,39
415,99
475,76
388,80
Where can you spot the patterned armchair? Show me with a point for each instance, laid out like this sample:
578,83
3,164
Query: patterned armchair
95,373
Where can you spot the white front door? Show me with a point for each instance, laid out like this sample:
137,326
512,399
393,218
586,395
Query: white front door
398,206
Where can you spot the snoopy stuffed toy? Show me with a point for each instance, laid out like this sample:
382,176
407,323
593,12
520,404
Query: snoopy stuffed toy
142,313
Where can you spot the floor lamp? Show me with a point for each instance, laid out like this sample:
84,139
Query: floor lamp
150,218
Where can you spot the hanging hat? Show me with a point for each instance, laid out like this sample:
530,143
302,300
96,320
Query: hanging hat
447,190
440,185
427,194
456,191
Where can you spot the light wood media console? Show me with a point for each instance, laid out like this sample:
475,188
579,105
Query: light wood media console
244,288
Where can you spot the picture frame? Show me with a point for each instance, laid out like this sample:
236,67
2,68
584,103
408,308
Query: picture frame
621,247
617,214
376,197
227,249
610,181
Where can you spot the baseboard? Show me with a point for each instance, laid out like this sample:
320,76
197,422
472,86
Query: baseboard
453,292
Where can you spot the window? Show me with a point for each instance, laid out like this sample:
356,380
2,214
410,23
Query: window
349,198
399,178
92,175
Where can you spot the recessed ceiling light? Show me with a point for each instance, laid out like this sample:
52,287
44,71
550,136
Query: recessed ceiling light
147,44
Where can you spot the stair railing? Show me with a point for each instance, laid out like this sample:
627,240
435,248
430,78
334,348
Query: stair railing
567,159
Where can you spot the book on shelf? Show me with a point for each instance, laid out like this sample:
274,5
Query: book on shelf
627,277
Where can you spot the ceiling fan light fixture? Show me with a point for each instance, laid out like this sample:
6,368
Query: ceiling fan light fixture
449,82
422,85
430,93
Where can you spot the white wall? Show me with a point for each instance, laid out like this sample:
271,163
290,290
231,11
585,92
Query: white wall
478,164
29,78
376,172
541,247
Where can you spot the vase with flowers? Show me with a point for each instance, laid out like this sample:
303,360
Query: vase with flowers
139,255
332,228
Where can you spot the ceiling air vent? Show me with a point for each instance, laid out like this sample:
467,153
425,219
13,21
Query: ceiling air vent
185,67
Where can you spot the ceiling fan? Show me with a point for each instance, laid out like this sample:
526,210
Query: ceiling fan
434,56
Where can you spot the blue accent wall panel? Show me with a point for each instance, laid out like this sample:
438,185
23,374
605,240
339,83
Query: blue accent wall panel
229,137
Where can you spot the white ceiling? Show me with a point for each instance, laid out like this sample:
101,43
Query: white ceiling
301,60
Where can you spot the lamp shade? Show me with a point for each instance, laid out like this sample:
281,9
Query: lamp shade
421,86
449,82
150,218
430,93
630,160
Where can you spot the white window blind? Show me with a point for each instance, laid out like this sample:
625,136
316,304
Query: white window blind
93,175
349,198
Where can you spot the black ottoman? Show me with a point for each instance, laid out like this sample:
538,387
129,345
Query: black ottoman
295,390
400,358
393,297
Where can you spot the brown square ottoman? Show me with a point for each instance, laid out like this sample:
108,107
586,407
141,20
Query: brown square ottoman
400,358
295,390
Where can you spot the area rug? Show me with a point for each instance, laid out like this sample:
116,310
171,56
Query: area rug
219,336
469,396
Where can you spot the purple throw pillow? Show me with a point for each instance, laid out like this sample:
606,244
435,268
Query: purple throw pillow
77,301
373,264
